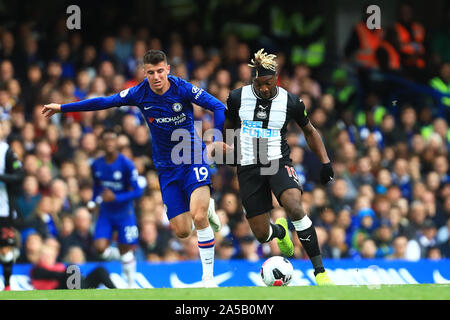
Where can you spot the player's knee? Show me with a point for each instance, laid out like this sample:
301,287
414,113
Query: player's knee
100,247
200,211
294,210
292,204
182,232
200,219
199,214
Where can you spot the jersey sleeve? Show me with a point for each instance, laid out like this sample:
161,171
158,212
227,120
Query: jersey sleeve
232,108
97,187
205,100
297,110
125,97
134,190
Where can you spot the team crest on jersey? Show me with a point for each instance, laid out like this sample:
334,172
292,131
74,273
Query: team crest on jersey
117,175
261,114
177,107
123,93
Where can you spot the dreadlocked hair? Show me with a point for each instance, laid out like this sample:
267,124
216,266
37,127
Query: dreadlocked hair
262,59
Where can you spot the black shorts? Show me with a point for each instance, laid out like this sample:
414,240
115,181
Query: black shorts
255,189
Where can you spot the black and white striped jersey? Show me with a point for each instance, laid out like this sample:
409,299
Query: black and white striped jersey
262,124
11,177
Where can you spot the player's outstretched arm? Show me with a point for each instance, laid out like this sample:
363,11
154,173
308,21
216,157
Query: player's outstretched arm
122,98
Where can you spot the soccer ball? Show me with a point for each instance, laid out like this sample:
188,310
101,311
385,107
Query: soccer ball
277,271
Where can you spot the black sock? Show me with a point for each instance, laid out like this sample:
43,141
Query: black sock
308,239
277,232
7,271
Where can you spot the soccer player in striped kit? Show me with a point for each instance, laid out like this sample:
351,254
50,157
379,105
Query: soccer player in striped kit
261,112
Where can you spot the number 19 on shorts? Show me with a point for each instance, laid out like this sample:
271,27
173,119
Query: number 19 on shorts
201,173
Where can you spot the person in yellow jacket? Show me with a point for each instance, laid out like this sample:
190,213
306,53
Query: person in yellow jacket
441,84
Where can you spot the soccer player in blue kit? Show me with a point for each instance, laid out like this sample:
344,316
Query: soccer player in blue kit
115,187
166,103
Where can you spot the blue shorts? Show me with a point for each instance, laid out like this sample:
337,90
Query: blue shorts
125,225
177,185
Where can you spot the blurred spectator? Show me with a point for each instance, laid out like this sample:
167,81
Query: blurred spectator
248,247
417,216
339,195
47,274
368,249
225,250
441,83
27,202
31,248
409,42
336,247
81,235
152,241
383,239
399,246
418,246
343,92
364,226
363,43
75,255
45,220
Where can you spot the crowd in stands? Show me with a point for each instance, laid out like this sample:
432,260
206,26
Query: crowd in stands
390,197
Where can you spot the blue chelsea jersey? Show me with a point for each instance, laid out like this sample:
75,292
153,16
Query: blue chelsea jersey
121,177
164,115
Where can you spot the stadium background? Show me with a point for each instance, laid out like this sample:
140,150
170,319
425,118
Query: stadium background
386,130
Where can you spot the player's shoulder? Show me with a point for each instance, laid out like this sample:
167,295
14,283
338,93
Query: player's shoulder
182,86
126,161
293,99
177,81
135,91
235,93
98,160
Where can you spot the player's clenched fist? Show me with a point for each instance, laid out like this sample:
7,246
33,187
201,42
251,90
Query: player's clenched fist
326,173
50,109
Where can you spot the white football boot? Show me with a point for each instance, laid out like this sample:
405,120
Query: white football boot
213,218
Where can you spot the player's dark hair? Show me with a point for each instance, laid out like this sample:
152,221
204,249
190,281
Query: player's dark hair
106,131
154,57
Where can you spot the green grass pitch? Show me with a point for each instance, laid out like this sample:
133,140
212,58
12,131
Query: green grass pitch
383,292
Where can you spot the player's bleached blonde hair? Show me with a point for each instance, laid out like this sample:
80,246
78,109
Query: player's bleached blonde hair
265,60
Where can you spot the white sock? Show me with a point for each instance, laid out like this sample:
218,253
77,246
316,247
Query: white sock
302,224
206,244
111,253
129,266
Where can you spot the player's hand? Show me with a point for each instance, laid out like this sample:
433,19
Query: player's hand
216,146
326,173
108,195
50,109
